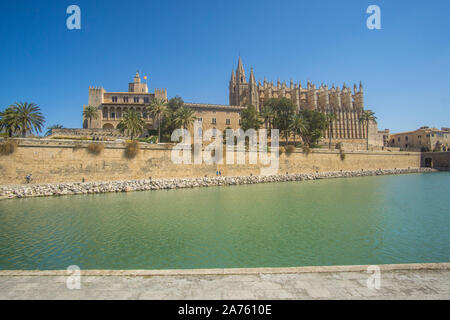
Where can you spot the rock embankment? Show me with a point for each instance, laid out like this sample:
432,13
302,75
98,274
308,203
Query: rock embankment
59,189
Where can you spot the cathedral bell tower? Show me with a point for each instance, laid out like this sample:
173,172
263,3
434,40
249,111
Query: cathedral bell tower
241,92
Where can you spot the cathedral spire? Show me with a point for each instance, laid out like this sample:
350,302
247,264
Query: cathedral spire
252,77
240,66
233,76
240,72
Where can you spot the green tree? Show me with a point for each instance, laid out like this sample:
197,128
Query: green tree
250,118
267,115
28,117
50,129
331,117
131,124
90,113
184,117
175,103
284,112
8,121
316,124
168,124
298,125
365,118
158,108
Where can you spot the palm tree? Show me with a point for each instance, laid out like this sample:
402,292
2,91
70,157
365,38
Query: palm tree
266,115
28,117
8,121
90,113
158,108
132,124
298,125
50,129
184,117
365,118
331,117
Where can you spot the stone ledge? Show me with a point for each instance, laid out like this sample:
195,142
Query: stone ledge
231,271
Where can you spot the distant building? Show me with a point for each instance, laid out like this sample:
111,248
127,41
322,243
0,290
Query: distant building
348,106
384,134
422,139
112,105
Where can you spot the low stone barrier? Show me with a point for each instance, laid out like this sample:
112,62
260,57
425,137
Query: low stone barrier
59,189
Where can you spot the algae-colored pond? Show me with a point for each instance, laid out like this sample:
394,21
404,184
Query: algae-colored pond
367,220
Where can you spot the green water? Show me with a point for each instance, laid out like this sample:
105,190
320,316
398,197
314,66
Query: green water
368,220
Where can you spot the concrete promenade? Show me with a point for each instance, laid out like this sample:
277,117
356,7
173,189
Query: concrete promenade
406,281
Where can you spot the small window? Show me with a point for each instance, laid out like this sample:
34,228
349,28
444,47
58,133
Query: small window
200,120
113,115
125,99
406,138
420,137
114,99
213,120
398,139
145,99
227,121
136,99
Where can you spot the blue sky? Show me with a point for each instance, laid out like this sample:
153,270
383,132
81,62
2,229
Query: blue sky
190,47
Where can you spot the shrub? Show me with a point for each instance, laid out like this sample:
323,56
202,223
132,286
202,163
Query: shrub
7,147
438,147
342,155
131,149
338,145
151,140
95,148
289,149
306,150
77,146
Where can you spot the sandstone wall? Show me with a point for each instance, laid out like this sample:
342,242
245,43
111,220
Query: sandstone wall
69,161
439,160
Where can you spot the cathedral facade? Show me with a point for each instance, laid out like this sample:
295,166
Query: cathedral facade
346,104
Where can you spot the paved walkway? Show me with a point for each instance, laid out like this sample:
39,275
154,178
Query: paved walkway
412,283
